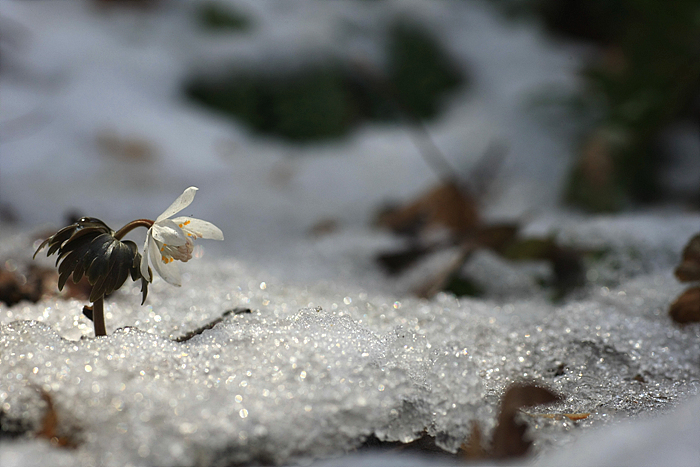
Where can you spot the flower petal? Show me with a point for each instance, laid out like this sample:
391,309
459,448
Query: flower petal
169,272
201,229
144,258
166,231
184,200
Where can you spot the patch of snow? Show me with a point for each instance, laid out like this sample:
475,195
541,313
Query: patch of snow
332,351
313,370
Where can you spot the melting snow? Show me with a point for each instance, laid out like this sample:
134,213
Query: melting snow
331,351
311,371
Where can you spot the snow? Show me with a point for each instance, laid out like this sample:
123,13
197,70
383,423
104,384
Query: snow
313,370
331,351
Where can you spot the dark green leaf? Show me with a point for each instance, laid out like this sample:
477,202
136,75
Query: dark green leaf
89,249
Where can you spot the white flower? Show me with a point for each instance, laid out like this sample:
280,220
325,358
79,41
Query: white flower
172,239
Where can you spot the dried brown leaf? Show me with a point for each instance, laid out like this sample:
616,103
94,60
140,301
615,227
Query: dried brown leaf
689,269
444,206
30,286
509,438
473,448
686,308
49,426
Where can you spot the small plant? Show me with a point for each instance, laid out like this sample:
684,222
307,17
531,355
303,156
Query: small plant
89,248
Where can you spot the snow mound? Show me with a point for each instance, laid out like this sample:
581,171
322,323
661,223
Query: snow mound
295,372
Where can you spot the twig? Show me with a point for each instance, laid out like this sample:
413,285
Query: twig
211,324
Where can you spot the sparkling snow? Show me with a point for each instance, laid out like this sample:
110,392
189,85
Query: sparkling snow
316,349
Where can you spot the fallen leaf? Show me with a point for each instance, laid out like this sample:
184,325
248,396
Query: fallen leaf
689,269
473,447
445,206
509,438
49,426
9,288
31,286
686,308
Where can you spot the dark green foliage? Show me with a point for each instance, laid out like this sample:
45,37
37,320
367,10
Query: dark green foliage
649,79
313,105
318,105
462,286
645,77
419,70
598,198
596,20
214,16
327,101
88,248
657,83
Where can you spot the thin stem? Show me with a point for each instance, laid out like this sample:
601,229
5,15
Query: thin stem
131,226
98,317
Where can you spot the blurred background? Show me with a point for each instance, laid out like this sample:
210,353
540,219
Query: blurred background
299,120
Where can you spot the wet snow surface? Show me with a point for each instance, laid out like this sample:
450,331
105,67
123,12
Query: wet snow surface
331,351
311,371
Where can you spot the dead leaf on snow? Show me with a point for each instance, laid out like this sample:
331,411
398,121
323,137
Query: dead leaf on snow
686,308
509,438
30,286
473,447
49,426
689,269
445,206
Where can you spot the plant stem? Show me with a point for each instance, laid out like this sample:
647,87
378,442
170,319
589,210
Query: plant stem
131,226
98,317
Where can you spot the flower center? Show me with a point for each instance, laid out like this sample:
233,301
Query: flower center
182,253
